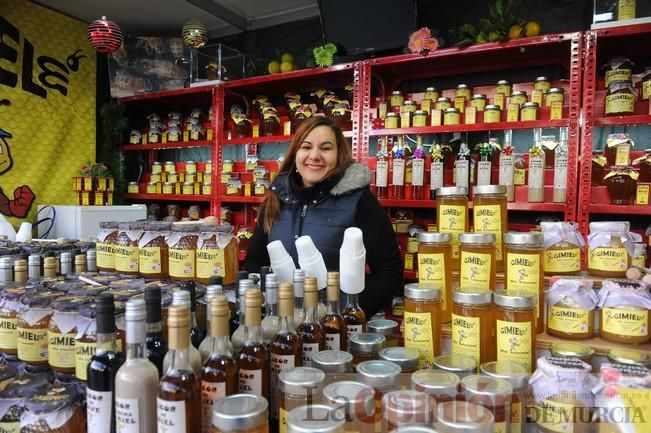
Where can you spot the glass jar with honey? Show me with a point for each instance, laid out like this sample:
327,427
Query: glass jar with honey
216,254
493,393
478,101
610,247
518,377
452,216
554,94
461,416
336,364
10,308
451,116
389,328
639,358
396,99
492,113
126,248
621,184
435,266
571,305
518,97
620,99
297,387
504,87
463,91
241,413
473,324
443,103
570,349
617,69
490,216
407,358
460,365
477,255
563,246
441,385
383,377
617,150
405,408
392,120
364,346
153,250
106,238
422,321
515,326
542,83
625,306
62,329
431,93
358,402
182,244
32,326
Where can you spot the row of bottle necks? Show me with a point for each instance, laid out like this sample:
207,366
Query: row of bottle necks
195,373
23,268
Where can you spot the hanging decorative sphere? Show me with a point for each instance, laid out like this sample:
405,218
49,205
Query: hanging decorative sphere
105,36
195,34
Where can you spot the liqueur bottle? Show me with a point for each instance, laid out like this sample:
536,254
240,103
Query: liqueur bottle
311,333
253,359
333,323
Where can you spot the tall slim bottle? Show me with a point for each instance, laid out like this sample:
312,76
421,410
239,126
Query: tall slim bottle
311,333
196,335
182,298
333,323
299,309
101,370
398,169
136,382
353,315
178,407
262,284
285,347
271,321
253,359
219,369
235,318
237,337
206,344
382,169
155,342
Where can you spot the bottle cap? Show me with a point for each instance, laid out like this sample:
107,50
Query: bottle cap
105,313
135,310
281,262
181,297
311,261
299,280
352,262
153,304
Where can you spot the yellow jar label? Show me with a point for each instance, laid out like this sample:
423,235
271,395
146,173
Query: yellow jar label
516,417
61,350
568,320
620,103
452,219
499,427
608,259
618,74
210,261
10,427
537,96
479,104
475,271
409,262
554,97
405,119
150,260
126,259
391,122
565,260
32,344
471,115
451,118
556,112
105,257
460,103
466,333
523,271
519,176
514,342
624,322
282,420
396,100
420,120
622,153
637,261
419,335
488,219
426,105
8,333
181,263
83,352
556,416
646,89
431,274
513,113
492,116
529,113
642,197
499,98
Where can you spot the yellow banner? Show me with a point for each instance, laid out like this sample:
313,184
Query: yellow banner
47,107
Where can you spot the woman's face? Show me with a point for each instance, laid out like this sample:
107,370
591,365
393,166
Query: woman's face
316,157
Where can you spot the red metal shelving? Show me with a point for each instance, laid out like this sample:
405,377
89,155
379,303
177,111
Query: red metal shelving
516,206
240,199
168,145
638,119
499,126
267,139
166,197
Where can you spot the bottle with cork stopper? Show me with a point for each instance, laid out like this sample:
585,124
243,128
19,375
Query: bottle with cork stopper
310,332
253,359
333,323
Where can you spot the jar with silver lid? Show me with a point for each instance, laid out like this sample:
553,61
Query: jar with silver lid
389,328
318,418
493,393
461,416
406,357
461,365
66,263
336,364
406,408
6,269
297,387
364,346
240,412
442,385
517,376
34,267
358,402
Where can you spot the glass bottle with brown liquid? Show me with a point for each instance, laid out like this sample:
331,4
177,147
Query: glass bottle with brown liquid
333,323
253,359
218,371
353,314
285,347
382,169
310,332
178,405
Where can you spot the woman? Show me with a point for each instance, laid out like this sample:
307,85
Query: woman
320,191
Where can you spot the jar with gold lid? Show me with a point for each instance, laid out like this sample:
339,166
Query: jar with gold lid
126,248
443,103
32,326
422,321
460,365
435,266
106,238
617,69
473,324
570,349
504,87
627,356
515,326
563,247
518,377
492,113
10,308
396,99
451,116
620,99
571,305
477,253
625,306
452,216
182,247
153,250
493,393
461,416
478,101
441,385
464,91
490,216
610,247
62,329
519,97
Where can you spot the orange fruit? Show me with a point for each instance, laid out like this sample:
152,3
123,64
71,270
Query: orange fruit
515,31
532,28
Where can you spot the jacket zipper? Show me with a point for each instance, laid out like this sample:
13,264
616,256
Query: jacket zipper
304,211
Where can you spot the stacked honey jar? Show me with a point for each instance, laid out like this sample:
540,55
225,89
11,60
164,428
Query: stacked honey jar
190,178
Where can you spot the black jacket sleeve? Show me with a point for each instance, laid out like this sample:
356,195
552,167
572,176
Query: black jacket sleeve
382,255
257,254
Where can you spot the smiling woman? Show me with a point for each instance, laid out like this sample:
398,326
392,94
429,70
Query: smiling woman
320,191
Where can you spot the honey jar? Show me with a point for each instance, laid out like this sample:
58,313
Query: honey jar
460,365
515,326
529,111
190,167
519,97
182,249
168,188
625,306
504,87
172,177
620,99
392,120
477,255
364,346
10,308
419,118
617,150
494,394
570,349
627,356
617,69
336,364
490,216
621,184
241,413
32,326
473,324
126,248
170,167
478,101
133,188
156,167
298,386
443,103
463,90
461,416
431,93
408,106
542,83
383,377
451,116
188,188
358,402
62,329
422,321
435,266
554,94
389,328
571,305
153,250
441,385
407,358
406,408
492,113
396,99
151,188
106,238
609,243
563,246
452,216
216,254
516,375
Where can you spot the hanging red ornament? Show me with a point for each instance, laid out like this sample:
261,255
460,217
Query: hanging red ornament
105,36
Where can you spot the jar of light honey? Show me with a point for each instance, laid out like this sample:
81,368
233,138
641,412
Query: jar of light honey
478,101
422,322
451,116
443,103
392,120
570,349
625,306
554,94
435,267
419,118
542,83
563,246
473,324
608,245
463,90
515,327
503,87
492,393
492,113
517,376
490,215
519,97
396,98
571,305
477,255
441,385
529,111
431,93
460,365
452,216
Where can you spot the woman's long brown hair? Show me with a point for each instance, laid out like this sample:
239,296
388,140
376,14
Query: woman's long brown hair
271,205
